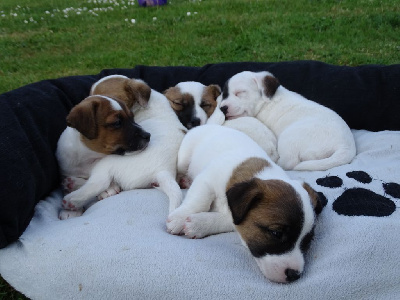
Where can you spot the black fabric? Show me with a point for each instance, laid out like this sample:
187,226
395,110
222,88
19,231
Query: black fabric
33,117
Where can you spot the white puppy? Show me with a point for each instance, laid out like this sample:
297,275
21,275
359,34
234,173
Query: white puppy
154,167
236,185
310,136
193,102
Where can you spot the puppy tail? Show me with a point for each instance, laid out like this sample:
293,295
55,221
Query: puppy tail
340,157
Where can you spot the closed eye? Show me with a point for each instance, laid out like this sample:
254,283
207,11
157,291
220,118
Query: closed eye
177,103
240,93
273,232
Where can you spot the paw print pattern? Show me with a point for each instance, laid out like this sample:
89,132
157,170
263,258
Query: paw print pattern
359,201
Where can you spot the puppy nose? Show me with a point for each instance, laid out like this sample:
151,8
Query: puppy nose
195,122
292,275
224,109
145,135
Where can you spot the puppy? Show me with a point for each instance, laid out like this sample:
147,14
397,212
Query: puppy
237,186
310,136
97,126
193,102
154,167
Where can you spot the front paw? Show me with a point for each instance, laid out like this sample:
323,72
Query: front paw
67,214
70,203
193,227
175,223
71,183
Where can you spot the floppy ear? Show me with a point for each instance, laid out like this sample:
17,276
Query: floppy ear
241,197
138,91
82,117
270,85
315,198
214,90
174,95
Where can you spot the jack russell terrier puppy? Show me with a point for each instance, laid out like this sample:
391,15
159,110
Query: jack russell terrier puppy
193,102
310,136
154,167
96,127
237,186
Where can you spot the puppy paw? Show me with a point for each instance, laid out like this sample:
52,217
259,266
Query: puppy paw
184,182
114,189
71,183
67,214
175,224
193,227
69,203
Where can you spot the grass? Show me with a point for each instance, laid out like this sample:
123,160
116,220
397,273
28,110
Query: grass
50,39
45,39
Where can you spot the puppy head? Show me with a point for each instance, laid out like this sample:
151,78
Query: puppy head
130,91
106,126
275,220
193,102
245,93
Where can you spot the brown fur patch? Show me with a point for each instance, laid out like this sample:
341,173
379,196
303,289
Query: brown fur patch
315,202
177,99
209,98
104,129
129,91
247,170
271,84
268,215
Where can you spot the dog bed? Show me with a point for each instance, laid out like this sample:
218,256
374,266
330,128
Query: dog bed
119,249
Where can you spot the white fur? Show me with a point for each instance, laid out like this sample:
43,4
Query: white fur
208,155
310,136
251,126
153,167
196,89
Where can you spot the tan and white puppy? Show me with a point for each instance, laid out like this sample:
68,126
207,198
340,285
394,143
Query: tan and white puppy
97,126
235,185
310,136
154,167
193,102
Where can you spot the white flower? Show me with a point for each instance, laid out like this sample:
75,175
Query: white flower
154,18
133,21
47,12
188,13
26,22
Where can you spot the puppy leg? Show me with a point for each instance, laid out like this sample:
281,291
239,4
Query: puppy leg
97,183
72,183
203,224
198,199
167,183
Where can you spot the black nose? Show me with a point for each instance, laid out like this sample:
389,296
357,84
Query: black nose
145,135
292,275
195,122
224,109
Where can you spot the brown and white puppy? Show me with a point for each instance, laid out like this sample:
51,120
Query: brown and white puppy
235,185
193,102
97,126
310,136
154,167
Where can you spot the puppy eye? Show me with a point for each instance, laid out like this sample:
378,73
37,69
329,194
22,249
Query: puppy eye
205,105
117,124
177,103
239,93
276,234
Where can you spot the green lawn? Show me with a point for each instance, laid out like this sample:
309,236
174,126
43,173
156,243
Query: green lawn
45,39
48,39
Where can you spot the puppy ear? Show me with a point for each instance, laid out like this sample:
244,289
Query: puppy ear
138,91
174,96
270,85
241,197
214,90
82,117
315,198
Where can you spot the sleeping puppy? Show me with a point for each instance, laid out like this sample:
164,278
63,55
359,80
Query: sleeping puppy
154,167
97,126
310,136
237,186
193,102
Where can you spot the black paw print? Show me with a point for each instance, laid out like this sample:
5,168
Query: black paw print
360,201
